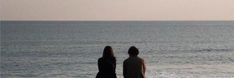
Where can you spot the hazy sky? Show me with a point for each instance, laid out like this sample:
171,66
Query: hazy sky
117,9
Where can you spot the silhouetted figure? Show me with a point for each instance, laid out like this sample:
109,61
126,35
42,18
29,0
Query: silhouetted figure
134,66
107,64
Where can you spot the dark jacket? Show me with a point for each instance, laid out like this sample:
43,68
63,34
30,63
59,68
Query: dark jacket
106,67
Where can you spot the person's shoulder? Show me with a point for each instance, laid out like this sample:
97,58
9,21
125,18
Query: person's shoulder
140,59
126,60
100,59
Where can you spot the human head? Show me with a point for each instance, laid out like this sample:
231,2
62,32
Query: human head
108,52
133,51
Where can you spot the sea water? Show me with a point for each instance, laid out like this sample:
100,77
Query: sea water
59,49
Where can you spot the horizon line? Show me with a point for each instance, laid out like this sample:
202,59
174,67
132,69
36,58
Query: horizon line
116,20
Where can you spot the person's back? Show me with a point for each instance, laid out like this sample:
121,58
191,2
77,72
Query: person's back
106,68
107,64
134,66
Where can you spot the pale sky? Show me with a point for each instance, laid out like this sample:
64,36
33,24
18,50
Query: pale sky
117,9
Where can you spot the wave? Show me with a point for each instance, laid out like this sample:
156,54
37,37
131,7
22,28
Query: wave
212,49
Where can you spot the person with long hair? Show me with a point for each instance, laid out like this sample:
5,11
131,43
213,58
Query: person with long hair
134,66
107,64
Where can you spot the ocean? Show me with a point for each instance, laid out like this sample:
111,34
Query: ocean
70,49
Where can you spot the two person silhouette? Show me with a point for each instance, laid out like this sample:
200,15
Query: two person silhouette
133,66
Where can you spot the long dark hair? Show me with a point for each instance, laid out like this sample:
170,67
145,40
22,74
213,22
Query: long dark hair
108,53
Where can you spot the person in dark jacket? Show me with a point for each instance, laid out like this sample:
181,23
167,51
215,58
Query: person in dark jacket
107,64
134,66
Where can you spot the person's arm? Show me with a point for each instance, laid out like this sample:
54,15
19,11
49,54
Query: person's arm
99,65
114,65
124,69
143,66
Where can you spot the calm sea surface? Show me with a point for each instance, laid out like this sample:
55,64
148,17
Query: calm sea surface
71,49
